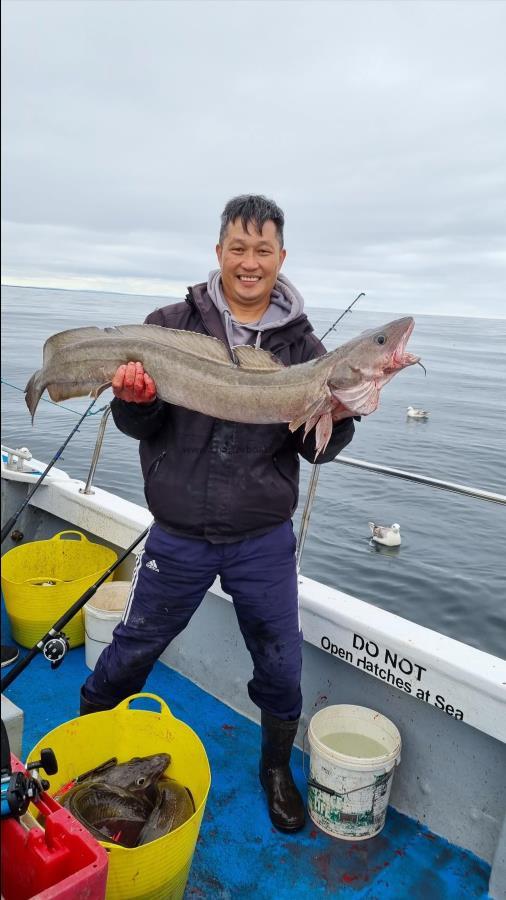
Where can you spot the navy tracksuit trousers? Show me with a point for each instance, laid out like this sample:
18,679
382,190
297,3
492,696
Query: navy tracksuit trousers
170,579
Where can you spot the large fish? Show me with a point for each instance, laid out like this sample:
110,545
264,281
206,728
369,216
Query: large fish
198,372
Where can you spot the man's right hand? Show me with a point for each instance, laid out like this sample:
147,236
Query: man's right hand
133,384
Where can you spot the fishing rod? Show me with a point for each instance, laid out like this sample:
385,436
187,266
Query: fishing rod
13,519
315,468
54,644
347,310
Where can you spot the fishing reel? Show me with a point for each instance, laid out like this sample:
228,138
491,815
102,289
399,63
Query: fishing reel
19,789
55,648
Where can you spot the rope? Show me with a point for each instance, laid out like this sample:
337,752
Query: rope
76,412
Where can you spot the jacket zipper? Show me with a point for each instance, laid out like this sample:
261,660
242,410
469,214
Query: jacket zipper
153,469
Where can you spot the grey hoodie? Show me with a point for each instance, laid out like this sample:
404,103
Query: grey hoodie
286,304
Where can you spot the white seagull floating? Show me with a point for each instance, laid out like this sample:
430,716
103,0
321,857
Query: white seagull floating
413,413
389,535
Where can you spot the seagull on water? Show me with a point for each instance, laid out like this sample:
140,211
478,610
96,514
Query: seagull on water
413,413
389,535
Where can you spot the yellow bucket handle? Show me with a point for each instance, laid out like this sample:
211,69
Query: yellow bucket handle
57,537
164,709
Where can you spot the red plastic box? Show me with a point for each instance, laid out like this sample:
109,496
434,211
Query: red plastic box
61,861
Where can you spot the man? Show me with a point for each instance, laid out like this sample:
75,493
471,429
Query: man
222,495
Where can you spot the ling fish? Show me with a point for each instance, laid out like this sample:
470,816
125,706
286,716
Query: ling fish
250,385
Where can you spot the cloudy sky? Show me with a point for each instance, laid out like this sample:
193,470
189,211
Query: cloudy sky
379,127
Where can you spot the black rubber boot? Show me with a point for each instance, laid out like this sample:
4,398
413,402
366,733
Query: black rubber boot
86,706
286,807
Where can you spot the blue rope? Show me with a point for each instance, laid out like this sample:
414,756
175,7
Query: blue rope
93,412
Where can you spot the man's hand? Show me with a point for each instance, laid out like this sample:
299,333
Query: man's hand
133,384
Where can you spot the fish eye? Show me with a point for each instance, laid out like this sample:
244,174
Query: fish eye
380,339
140,781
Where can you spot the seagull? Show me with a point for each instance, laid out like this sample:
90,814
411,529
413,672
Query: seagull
389,535
413,413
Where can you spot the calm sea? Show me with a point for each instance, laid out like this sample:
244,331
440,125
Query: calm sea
449,572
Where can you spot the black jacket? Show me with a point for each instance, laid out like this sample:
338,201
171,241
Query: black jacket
222,481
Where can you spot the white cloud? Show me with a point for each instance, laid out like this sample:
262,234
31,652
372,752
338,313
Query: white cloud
379,127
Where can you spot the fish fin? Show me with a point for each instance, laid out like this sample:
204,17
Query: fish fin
310,423
59,390
63,339
202,346
98,770
311,413
65,390
308,414
256,360
323,433
361,399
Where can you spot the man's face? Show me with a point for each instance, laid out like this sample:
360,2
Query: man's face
249,263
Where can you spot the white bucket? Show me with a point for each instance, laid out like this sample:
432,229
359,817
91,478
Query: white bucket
101,615
353,806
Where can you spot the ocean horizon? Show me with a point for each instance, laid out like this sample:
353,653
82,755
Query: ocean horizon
177,297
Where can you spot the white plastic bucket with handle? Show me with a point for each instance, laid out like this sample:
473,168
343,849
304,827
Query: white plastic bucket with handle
101,615
349,788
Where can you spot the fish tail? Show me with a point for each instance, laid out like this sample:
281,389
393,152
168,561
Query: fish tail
33,392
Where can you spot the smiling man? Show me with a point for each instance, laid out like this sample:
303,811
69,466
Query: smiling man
222,495
250,261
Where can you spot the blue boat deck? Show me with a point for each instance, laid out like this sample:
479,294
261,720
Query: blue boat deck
239,853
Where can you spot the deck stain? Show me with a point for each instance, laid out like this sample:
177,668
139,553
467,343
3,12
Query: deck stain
347,878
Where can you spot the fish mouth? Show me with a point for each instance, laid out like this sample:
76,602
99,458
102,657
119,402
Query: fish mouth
402,357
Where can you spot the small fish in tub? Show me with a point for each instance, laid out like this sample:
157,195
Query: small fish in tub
129,803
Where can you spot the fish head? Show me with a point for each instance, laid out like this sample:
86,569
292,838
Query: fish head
395,357
368,362
138,774
381,352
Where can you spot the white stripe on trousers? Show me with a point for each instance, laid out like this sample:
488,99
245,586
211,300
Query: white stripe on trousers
135,577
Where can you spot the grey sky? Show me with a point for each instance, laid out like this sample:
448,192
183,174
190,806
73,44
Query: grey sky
379,127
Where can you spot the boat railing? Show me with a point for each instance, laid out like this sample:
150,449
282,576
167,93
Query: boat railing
388,471
423,479
96,452
16,458
438,483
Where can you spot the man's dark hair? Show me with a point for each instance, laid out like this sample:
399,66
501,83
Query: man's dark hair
252,208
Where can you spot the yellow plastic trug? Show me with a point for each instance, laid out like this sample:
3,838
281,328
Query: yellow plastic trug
158,870
40,580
